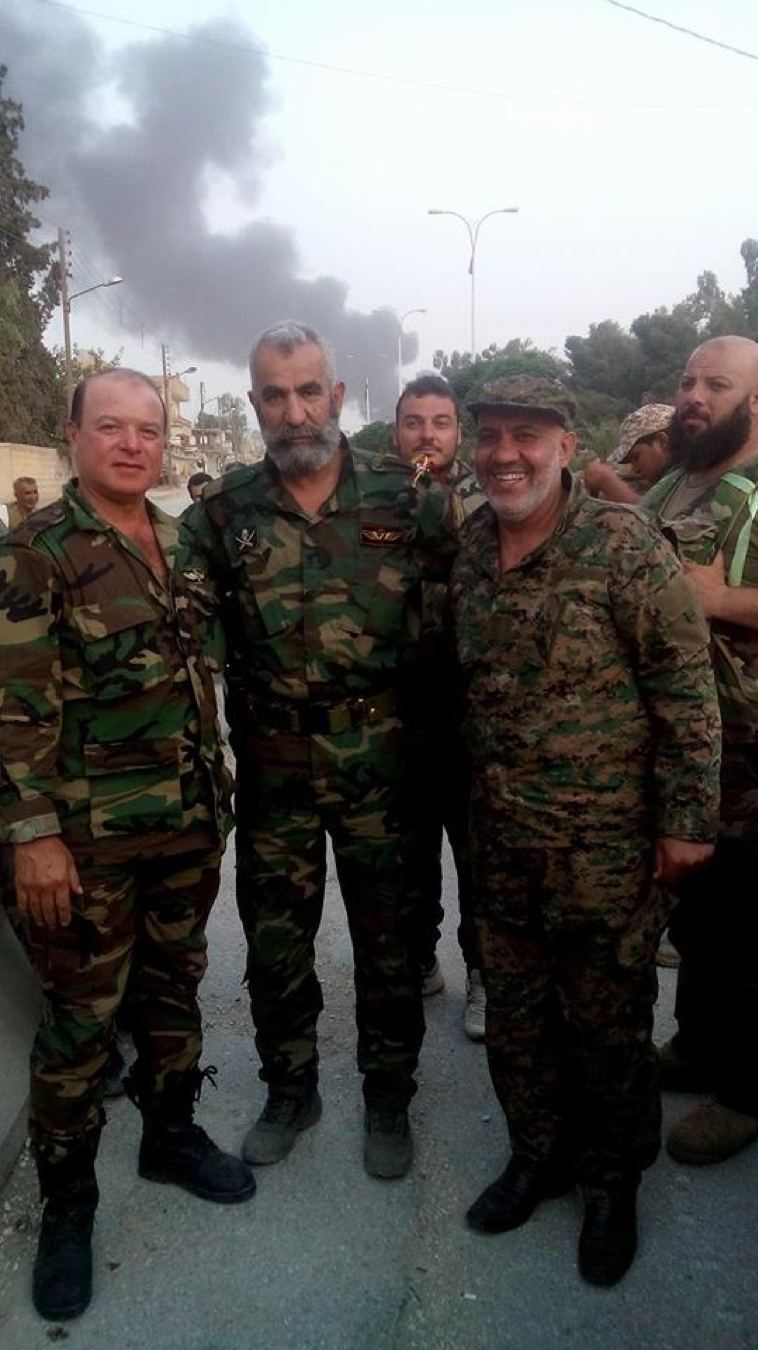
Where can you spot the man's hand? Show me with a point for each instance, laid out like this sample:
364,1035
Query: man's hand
46,876
710,584
597,476
674,858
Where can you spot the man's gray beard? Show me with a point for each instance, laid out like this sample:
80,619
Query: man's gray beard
297,460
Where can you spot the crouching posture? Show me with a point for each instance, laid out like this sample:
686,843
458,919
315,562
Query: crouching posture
594,731
114,811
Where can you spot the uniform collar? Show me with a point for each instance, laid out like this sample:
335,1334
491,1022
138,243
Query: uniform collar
481,533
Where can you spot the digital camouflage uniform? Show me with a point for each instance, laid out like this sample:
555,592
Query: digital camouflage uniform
439,761
320,615
109,739
716,925
593,727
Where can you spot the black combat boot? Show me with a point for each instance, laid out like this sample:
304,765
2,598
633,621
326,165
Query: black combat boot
513,1197
175,1150
608,1239
62,1279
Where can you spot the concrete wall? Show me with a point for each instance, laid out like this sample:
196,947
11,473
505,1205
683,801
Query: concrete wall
49,466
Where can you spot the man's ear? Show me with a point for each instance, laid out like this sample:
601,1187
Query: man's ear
568,447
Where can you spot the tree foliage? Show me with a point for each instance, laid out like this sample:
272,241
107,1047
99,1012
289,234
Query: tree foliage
31,391
375,437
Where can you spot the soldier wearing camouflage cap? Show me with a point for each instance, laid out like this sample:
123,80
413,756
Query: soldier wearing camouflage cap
114,804
316,557
593,727
643,451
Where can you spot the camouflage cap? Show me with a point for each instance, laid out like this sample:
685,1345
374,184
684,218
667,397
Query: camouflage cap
537,393
643,421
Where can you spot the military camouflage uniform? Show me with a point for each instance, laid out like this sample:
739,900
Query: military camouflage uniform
439,762
593,727
716,925
321,613
109,739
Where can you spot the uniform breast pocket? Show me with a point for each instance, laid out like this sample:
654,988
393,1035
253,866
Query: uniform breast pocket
133,786
574,634
385,590
264,600
115,652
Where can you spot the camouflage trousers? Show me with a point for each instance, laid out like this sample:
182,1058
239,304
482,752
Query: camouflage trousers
715,929
440,784
293,789
143,921
568,940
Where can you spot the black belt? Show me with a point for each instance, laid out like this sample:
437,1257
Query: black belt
324,719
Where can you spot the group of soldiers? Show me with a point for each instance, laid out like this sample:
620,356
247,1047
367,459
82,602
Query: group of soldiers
406,645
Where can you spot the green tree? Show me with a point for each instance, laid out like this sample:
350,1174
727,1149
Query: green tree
749,296
376,438
31,392
233,416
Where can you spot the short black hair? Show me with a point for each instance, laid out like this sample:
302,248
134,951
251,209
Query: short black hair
77,402
198,479
423,386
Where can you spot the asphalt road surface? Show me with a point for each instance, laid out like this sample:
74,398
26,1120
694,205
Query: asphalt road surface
327,1258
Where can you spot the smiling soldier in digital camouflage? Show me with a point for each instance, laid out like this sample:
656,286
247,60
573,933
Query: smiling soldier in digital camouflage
594,732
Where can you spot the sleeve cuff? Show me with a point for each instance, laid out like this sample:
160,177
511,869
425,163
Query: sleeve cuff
35,827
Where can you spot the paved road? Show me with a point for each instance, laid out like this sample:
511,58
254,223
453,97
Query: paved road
326,1258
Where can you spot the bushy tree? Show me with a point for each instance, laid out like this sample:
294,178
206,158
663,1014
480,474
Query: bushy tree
31,392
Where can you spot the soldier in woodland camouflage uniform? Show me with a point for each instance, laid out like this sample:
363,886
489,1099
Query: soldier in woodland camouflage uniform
427,434
593,726
115,809
317,557
710,501
639,460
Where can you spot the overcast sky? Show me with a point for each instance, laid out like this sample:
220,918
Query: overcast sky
231,186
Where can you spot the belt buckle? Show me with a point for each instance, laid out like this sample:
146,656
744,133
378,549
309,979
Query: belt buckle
363,712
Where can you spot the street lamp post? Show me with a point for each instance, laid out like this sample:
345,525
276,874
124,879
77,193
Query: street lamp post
401,321
66,305
473,228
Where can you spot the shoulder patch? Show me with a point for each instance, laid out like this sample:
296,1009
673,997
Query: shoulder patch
36,524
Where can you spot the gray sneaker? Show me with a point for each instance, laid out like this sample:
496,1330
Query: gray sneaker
275,1131
432,979
476,1004
388,1143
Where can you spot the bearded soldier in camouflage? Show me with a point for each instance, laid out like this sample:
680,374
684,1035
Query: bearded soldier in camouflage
317,556
593,726
115,808
427,432
710,501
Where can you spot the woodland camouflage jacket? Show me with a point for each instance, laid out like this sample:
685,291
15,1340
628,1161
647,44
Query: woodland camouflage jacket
322,607
107,708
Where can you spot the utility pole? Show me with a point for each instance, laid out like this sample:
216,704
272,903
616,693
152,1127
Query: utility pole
66,307
169,461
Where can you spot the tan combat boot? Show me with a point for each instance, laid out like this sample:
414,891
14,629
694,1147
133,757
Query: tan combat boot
711,1133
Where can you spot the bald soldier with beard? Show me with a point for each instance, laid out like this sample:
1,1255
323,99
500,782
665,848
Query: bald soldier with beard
710,501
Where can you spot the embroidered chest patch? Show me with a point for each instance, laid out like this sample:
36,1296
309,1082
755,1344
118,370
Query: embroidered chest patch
381,536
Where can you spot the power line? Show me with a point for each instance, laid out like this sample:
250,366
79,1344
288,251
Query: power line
690,32
383,77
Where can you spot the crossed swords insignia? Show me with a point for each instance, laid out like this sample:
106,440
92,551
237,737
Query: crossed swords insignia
246,539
